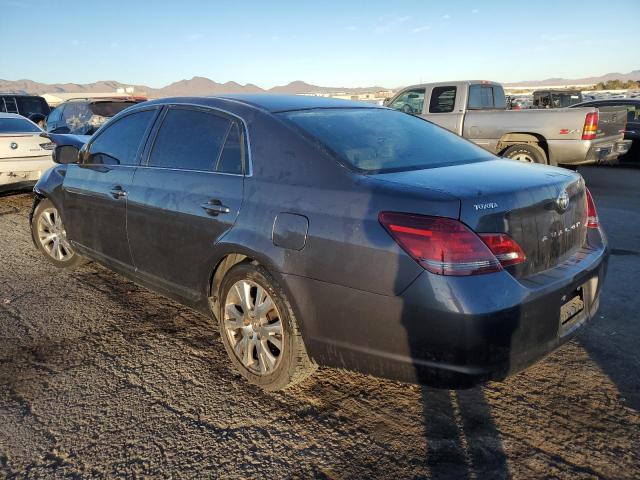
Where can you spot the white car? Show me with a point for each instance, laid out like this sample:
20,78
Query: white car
24,154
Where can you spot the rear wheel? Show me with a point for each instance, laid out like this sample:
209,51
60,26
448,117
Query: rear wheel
50,236
259,329
526,153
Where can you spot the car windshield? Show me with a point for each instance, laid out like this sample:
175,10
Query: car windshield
376,140
17,125
109,109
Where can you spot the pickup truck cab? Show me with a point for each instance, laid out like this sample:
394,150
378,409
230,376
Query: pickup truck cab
477,110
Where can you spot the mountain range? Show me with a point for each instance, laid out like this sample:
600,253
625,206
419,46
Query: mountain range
193,86
206,86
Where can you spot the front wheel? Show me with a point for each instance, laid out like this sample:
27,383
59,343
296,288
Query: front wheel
259,329
50,236
526,153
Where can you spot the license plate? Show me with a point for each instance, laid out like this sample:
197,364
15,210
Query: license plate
571,309
604,152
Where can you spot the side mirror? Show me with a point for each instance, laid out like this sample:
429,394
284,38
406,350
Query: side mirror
386,101
64,154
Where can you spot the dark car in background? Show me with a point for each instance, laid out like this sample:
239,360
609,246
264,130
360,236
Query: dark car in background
632,130
327,232
559,98
25,105
83,116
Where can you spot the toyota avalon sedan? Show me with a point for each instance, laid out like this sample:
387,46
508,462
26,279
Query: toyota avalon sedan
326,232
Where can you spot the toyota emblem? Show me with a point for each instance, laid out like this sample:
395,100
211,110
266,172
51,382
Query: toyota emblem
563,201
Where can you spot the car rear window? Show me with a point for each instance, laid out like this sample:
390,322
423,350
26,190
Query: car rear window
381,140
17,125
109,109
30,105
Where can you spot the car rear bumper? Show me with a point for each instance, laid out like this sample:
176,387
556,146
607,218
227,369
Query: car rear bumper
449,331
23,170
582,152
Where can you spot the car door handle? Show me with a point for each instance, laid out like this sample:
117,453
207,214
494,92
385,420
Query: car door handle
215,207
118,192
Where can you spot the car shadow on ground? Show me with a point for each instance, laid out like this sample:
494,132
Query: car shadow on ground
461,436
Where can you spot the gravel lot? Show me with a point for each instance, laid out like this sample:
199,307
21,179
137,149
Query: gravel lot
102,378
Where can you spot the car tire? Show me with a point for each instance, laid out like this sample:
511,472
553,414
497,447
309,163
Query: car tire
49,235
254,336
526,153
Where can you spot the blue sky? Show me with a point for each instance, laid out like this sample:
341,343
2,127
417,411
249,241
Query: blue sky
332,43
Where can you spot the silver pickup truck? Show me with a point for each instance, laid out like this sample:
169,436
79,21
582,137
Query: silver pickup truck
477,110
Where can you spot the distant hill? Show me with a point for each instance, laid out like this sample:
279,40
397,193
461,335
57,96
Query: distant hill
193,86
206,86
634,75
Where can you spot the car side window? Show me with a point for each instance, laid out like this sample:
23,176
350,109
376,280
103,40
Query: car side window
443,99
480,97
230,160
189,139
55,115
119,142
411,101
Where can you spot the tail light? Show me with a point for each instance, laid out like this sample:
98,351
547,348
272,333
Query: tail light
505,248
592,214
448,247
590,128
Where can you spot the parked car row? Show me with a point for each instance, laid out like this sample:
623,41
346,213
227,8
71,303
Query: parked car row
327,232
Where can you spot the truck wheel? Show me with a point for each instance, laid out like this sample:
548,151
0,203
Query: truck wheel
259,329
526,153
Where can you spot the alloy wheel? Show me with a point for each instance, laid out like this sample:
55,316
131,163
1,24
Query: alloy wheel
52,235
523,157
253,326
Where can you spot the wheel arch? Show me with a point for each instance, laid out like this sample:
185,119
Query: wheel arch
514,138
233,254
230,255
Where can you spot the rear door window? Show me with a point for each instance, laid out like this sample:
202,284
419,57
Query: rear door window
230,160
119,142
443,100
411,101
481,97
189,140
484,97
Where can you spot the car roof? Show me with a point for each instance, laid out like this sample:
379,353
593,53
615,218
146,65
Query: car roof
269,102
101,99
12,115
632,101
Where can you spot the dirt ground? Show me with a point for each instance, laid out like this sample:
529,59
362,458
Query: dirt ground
101,378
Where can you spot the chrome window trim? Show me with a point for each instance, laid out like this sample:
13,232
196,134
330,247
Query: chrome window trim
248,156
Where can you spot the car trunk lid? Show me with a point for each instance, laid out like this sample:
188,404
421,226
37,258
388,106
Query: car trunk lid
523,201
22,145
